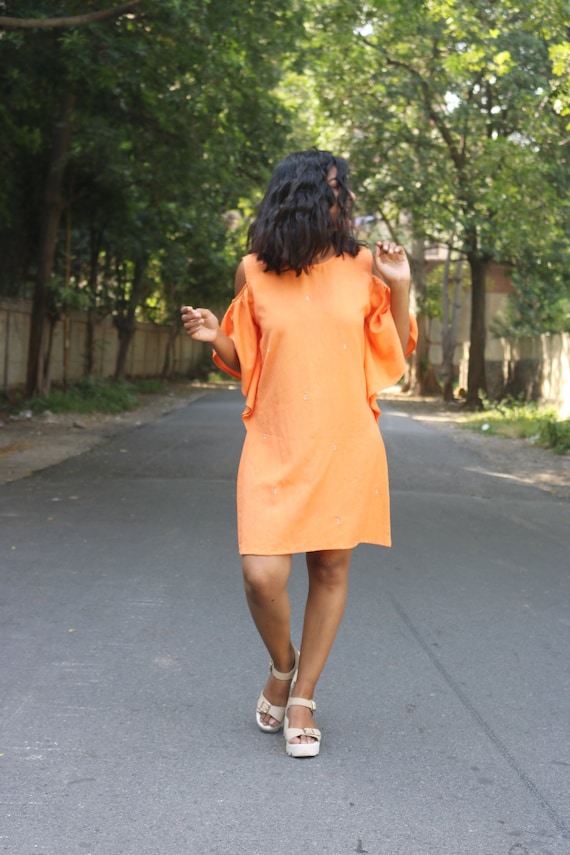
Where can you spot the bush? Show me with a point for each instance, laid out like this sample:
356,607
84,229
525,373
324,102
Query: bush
150,387
555,435
518,419
90,396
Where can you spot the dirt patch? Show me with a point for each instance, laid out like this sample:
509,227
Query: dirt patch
29,444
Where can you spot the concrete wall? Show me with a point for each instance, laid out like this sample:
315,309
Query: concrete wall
145,357
537,367
493,351
555,384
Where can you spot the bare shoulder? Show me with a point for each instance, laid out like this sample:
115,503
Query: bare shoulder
364,258
239,280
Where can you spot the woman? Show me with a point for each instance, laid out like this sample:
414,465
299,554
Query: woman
314,333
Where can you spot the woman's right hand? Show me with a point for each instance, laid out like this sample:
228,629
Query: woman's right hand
200,324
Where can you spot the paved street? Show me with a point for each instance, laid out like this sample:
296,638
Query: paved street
130,666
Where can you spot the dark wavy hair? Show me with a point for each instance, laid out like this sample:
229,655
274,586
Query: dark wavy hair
294,224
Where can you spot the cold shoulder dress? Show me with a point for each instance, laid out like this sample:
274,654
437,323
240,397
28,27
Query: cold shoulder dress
315,350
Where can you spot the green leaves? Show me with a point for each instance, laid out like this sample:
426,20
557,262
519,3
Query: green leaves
454,114
176,121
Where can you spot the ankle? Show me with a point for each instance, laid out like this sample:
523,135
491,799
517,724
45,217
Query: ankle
303,690
286,664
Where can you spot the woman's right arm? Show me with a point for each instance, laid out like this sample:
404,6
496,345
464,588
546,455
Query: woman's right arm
203,325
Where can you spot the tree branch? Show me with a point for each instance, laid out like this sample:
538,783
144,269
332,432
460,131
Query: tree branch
65,23
389,225
457,156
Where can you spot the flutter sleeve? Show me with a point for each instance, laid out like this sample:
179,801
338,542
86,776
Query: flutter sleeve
239,324
384,361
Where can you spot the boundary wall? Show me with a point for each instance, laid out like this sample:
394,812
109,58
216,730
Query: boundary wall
538,367
145,357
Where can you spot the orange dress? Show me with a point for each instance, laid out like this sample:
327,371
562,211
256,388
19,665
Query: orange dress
315,350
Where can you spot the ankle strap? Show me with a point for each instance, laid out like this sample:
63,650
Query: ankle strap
301,702
285,675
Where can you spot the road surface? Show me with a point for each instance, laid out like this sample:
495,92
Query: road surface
130,666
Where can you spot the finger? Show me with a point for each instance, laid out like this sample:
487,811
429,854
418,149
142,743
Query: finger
191,318
387,247
193,324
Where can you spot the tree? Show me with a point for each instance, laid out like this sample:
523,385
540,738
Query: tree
447,108
168,116
53,202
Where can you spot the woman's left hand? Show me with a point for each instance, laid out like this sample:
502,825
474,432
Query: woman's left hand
391,263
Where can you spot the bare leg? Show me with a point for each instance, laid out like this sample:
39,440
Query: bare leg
328,589
265,581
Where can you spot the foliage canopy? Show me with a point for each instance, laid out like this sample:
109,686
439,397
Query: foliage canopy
455,115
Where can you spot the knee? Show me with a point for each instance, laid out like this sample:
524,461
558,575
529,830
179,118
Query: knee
263,578
329,567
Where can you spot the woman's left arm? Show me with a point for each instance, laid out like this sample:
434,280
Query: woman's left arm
391,265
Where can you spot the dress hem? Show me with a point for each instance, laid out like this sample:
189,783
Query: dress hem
297,551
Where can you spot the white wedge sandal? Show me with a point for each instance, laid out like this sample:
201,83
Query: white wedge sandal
264,707
301,749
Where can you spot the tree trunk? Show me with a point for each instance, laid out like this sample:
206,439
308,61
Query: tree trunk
46,376
96,240
66,318
421,353
50,217
125,334
423,379
126,323
449,324
168,364
90,343
476,379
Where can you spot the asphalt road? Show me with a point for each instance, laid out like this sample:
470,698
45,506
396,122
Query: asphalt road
130,667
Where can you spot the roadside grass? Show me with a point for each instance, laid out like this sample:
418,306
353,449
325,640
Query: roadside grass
94,396
512,419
